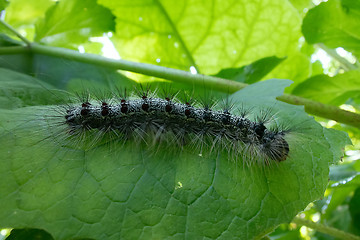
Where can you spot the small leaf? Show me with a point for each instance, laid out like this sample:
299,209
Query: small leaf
251,73
296,68
332,90
343,172
71,22
334,23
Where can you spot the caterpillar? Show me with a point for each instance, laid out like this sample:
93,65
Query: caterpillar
158,121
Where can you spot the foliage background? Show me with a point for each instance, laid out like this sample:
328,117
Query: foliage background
245,41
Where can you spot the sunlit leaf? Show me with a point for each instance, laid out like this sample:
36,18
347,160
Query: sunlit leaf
334,23
71,22
251,73
296,67
26,12
333,90
208,35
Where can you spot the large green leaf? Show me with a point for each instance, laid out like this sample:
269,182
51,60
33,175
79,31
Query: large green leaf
208,35
18,90
71,22
127,191
333,90
334,23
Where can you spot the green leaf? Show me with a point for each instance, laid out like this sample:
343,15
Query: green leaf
343,172
296,67
6,41
121,190
336,138
344,180
317,68
61,72
251,73
338,196
19,90
285,232
21,13
26,234
332,90
3,4
354,207
72,22
339,219
301,4
207,35
334,23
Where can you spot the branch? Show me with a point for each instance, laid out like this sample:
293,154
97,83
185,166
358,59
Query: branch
142,68
325,229
13,50
323,110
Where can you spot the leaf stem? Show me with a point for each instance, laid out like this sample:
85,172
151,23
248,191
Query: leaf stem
142,68
13,30
323,110
325,229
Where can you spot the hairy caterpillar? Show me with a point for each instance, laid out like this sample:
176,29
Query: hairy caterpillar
167,121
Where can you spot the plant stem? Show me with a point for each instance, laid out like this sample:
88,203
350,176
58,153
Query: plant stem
325,229
323,110
142,68
11,29
13,50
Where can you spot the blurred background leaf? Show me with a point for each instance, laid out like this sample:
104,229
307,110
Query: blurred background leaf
334,23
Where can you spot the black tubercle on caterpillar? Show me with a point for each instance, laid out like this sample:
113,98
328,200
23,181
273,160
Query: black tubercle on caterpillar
156,120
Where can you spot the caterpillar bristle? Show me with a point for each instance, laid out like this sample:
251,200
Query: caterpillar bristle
171,120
